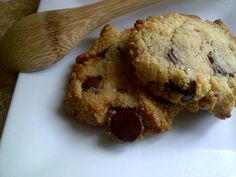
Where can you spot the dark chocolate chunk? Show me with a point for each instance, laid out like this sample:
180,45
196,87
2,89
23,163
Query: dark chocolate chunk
126,124
92,82
220,70
172,57
219,22
188,92
216,67
139,23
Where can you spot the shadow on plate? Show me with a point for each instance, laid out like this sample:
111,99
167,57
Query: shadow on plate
193,125
96,134
197,123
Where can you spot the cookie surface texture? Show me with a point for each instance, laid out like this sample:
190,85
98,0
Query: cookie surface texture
104,91
187,61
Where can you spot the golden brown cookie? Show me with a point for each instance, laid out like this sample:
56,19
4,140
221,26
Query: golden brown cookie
104,91
187,61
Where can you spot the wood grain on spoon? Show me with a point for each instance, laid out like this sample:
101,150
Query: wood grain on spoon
41,39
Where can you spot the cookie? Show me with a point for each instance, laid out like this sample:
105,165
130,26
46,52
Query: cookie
104,91
187,61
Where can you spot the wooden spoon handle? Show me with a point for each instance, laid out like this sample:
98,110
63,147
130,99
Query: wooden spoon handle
114,8
42,39
93,15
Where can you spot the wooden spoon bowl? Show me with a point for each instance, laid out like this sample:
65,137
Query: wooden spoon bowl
41,39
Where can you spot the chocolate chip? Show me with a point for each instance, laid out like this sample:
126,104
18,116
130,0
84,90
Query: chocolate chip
126,124
172,57
93,82
139,23
82,58
187,92
218,22
216,67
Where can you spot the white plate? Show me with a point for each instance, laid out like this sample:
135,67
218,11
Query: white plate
39,141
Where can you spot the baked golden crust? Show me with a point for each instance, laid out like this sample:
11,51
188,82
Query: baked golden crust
103,83
187,61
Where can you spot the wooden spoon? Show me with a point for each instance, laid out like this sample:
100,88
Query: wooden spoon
41,39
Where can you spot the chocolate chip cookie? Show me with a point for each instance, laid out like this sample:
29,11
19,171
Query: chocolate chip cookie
104,91
187,61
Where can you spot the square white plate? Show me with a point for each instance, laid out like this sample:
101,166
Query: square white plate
39,141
